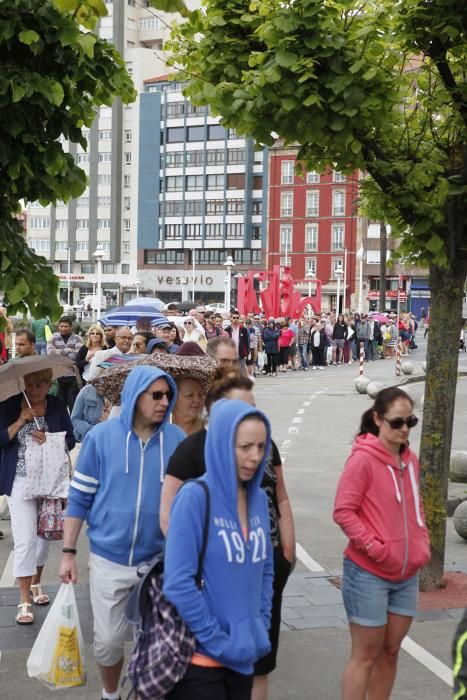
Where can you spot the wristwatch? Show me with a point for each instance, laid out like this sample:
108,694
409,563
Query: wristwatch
68,550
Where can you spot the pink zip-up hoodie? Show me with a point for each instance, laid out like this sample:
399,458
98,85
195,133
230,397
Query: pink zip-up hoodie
379,508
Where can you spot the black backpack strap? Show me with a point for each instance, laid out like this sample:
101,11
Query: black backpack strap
199,573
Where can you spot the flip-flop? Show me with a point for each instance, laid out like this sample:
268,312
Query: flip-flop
38,597
24,615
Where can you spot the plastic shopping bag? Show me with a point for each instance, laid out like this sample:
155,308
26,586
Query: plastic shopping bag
57,657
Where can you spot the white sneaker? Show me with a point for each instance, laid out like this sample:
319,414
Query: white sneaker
320,368
313,368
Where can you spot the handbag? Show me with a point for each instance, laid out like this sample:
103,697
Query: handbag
50,519
163,643
47,467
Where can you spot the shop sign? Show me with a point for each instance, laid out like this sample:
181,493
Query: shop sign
71,277
390,294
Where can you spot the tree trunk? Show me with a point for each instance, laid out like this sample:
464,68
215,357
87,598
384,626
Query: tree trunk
382,266
446,287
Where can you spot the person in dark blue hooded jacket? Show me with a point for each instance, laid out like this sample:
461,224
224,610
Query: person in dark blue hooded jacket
230,616
116,487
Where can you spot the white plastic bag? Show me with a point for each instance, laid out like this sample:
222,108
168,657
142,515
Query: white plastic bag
47,467
262,359
57,657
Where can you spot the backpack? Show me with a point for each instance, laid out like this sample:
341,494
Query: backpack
163,644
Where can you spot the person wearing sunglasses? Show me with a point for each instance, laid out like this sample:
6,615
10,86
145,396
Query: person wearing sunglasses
379,508
116,488
95,341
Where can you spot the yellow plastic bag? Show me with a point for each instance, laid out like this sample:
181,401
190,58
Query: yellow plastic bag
57,657
48,333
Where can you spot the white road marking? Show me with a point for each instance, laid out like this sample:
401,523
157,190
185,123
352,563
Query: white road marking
300,412
8,580
293,429
414,650
306,559
286,443
296,421
306,403
430,662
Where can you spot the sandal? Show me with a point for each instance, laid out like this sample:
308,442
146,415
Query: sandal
39,598
24,615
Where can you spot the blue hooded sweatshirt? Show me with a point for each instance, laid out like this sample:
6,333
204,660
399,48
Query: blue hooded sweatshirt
230,616
117,481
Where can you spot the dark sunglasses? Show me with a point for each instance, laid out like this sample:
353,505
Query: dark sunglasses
159,395
188,323
397,423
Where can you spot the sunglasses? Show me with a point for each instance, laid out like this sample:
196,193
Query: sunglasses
188,323
397,423
159,395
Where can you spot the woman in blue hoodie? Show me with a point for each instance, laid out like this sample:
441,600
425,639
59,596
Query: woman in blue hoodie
230,616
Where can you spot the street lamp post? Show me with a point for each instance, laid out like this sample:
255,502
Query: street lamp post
93,303
193,275
68,285
361,257
137,284
229,263
98,255
184,283
338,272
310,275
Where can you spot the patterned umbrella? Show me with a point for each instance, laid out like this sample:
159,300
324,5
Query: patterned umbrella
110,383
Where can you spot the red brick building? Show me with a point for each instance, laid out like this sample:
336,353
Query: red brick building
313,225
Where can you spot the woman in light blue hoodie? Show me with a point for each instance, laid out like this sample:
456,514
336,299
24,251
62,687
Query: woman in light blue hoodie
230,615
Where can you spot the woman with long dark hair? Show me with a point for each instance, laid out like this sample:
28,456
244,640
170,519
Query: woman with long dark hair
379,508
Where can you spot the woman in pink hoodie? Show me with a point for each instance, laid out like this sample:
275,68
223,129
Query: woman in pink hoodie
378,506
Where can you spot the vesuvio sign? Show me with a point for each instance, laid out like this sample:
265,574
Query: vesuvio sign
169,280
173,280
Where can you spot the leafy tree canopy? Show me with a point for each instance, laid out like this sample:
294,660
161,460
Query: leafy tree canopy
378,86
54,75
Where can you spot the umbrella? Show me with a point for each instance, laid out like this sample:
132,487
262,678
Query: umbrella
377,316
186,305
128,315
110,383
146,301
12,374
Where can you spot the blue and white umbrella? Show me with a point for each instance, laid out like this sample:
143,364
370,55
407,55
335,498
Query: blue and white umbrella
128,315
146,301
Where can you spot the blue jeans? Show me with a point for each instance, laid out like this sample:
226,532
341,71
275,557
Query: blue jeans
369,598
41,347
302,349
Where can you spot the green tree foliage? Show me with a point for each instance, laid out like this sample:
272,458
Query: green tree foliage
378,86
54,75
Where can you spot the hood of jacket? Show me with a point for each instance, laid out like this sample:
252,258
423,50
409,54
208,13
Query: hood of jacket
372,445
221,465
138,380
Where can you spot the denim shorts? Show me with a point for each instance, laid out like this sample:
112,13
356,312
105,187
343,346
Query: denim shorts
369,598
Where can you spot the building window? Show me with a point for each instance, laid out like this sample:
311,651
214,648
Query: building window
103,223
174,183
82,246
105,179
61,224
40,245
196,133
193,231
215,182
194,207
126,224
175,134
311,237
336,265
338,241
286,238
213,230
87,268
215,206
127,202
338,177
39,222
193,158
104,201
104,245
128,136
174,160
64,268
257,182
235,206
127,158
82,223
82,202
172,208
235,181
234,230
312,177
173,231
108,268
126,180
105,157
174,110
310,267
126,246
105,135
216,132
61,245
287,172
194,183
163,257
215,157
192,109
236,155
256,233
312,203
257,207
232,134
286,204
338,203
83,158
125,269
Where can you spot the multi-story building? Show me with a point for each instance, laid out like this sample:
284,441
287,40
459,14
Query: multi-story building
201,190
313,226
106,213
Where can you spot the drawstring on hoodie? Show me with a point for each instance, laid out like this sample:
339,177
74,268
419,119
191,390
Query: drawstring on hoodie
161,453
128,435
413,484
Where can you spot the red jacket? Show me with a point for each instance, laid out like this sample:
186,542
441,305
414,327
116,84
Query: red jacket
378,507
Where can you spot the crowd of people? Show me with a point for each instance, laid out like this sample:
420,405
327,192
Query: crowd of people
185,411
